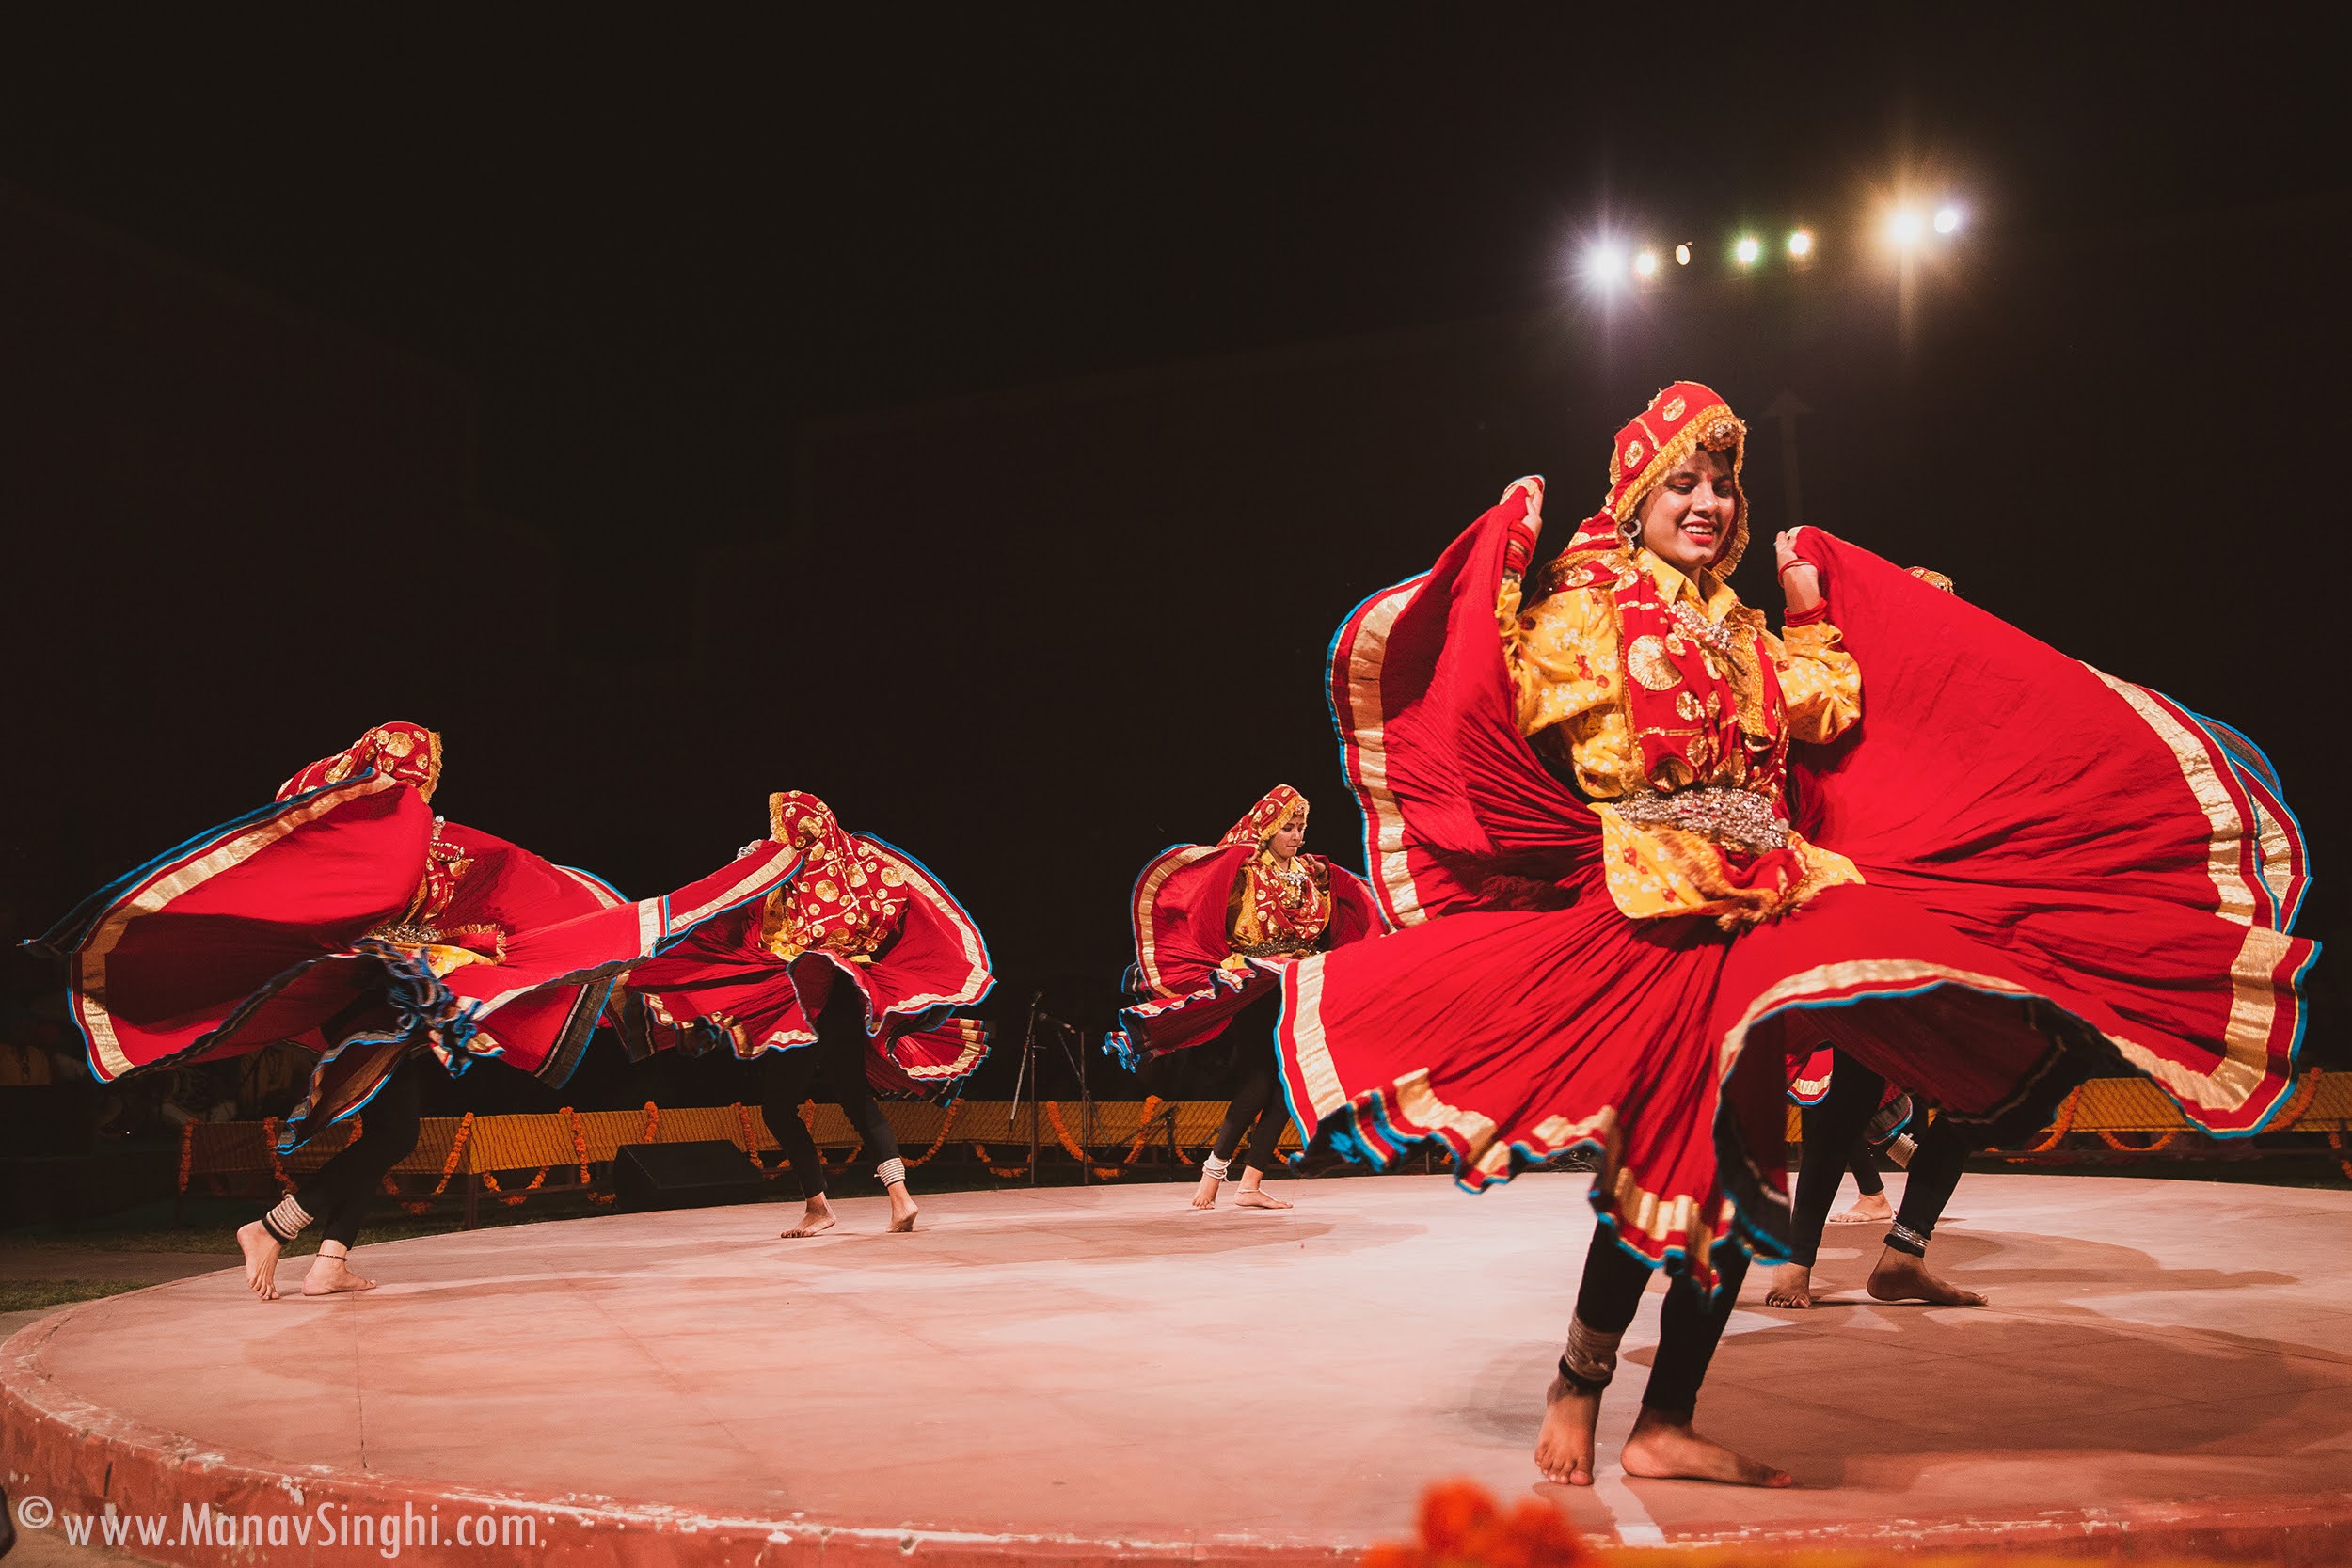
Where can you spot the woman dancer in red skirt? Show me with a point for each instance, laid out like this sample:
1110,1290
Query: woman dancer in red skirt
860,968
2006,871
349,919
1214,925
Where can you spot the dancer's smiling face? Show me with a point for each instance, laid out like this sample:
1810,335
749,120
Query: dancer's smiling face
1286,839
1687,520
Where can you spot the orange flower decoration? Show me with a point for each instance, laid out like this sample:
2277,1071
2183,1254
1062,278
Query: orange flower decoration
1461,1527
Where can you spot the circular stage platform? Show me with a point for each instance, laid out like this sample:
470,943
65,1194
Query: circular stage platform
1082,1374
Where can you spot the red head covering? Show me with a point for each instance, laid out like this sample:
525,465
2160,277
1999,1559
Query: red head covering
1680,419
1267,817
408,753
845,897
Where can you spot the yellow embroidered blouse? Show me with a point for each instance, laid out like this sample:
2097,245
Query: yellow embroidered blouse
1566,659
1271,911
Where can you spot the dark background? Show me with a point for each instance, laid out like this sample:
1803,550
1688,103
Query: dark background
983,420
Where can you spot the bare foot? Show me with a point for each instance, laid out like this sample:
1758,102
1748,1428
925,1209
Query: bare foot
1254,1196
902,1209
1793,1286
1564,1450
818,1217
1869,1208
1899,1276
260,1250
1204,1196
1662,1449
330,1275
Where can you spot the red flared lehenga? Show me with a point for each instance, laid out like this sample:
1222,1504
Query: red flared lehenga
2011,871
856,912
1194,964
347,918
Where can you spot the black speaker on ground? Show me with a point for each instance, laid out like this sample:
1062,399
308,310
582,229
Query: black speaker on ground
683,1176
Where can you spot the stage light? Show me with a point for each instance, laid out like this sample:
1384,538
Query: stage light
1646,264
1747,250
1604,264
1801,244
1682,256
1905,227
1947,220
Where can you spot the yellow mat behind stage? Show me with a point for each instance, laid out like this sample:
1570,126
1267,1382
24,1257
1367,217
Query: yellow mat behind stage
467,1155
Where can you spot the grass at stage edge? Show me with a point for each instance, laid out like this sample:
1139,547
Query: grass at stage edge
37,1296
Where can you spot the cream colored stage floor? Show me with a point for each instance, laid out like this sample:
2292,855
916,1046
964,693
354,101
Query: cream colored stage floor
1080,1366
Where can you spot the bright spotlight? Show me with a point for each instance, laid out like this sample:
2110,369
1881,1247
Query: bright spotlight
1747,250
1682,256
1604,264
1947,220
1905,227
1801,244
1646,264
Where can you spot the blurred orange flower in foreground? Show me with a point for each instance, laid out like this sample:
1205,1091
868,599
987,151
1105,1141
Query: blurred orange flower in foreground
1461,1527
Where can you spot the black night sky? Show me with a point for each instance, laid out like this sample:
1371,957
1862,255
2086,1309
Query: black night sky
983,417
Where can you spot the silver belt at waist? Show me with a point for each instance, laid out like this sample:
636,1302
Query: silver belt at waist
1735,819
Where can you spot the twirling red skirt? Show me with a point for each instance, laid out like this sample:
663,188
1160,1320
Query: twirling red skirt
720,987
2103,881
256,932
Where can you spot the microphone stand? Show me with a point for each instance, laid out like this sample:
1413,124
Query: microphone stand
1027,1074
1063,1035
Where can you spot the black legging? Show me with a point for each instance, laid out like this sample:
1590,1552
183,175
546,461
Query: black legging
786,1078
1832,1128
1256,1097
1688,1327
340,1192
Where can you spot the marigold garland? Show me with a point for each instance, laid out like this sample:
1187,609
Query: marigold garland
579,1142
490,1180
1103,1173
750,1142
1061,1133
2059,1128
2291,1111
645,1135
808,1119
1152,1103
2335,1143
456,1152
946,1123
980,1152
2163,1141
276,1166
187,1152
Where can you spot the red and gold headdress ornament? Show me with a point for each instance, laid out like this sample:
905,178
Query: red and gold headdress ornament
845,896
1281,805
408,753
1678,421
